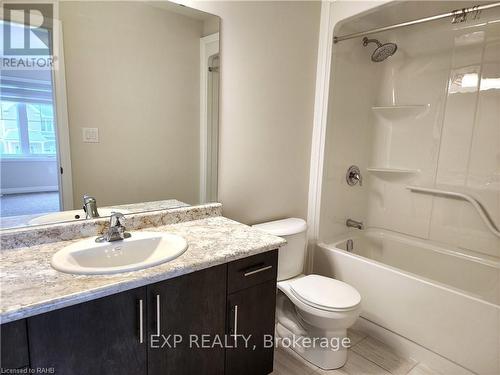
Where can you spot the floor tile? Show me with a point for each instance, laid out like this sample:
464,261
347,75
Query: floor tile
355,365
383,356
286,362
422,369
355,336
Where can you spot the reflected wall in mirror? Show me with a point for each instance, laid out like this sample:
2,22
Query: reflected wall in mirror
128,115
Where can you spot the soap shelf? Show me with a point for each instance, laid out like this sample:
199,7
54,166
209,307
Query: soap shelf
395,112
392,170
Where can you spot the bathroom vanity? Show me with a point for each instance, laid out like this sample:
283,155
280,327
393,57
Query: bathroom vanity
180,317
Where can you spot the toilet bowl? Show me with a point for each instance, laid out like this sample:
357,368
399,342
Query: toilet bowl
313,312
323,309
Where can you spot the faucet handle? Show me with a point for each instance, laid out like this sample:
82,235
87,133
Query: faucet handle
116,230
90,206
116,219
360,179
353,176
88,198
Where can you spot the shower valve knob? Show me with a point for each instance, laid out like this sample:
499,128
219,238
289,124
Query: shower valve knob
353,176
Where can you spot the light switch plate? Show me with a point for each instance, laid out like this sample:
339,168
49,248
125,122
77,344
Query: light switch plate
90,135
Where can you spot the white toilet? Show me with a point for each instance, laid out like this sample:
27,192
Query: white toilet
313,310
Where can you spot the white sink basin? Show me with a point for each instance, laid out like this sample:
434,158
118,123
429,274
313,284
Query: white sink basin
141,250
70,215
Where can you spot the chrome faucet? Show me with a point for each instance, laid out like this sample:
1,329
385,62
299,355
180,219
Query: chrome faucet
354,224
90,207
353,176
116,230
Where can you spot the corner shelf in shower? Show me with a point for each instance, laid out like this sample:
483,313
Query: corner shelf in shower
378,170
399,112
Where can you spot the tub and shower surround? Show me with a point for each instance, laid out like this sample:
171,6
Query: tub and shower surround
427,267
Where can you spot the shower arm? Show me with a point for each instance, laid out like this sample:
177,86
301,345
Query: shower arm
459,15
367,41
485,216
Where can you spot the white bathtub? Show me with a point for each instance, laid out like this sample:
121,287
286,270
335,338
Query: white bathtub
441,298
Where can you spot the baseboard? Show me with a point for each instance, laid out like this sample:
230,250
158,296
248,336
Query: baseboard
29,189
409,349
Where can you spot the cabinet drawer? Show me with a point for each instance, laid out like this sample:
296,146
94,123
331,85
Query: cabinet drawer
251,271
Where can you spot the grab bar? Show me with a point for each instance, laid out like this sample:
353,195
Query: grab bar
477,205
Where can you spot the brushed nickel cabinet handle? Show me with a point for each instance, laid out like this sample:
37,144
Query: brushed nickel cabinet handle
257,271
235,321
158,314
141,321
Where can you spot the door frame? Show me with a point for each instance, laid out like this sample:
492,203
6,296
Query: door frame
209,45
62,126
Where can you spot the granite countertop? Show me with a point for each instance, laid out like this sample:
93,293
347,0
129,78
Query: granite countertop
150,206
30,286
24,220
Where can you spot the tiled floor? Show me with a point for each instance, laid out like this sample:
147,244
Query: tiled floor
366,356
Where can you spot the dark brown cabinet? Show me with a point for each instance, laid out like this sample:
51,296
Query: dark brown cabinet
14,347
96,337
251,316
251,309
196,316
192,313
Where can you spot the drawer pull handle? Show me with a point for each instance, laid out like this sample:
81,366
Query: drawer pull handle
158,315
250,273
141,322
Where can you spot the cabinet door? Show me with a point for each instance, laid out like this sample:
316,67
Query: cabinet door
96,337
14,346
251,316
193,304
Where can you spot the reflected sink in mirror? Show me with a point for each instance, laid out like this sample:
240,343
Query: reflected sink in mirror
141,250
70,215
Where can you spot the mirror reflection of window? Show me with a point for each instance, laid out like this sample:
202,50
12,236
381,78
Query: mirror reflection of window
28,140
36,120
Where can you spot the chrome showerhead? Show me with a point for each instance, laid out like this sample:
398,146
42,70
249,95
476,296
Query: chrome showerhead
383,51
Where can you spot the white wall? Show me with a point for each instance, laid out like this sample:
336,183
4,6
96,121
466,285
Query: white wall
268,66
140,87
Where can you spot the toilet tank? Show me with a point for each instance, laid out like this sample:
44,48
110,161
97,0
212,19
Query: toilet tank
292,255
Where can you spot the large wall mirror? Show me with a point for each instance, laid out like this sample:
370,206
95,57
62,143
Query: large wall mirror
126,117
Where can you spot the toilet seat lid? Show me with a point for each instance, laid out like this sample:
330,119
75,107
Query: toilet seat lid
325,293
